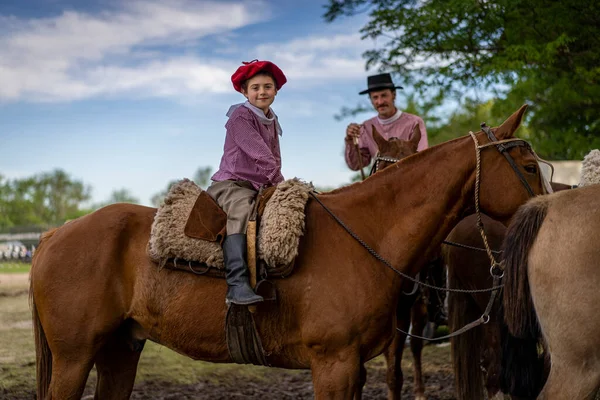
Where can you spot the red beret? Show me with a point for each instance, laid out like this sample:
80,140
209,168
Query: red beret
249,69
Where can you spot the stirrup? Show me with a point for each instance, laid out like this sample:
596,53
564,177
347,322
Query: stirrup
248,302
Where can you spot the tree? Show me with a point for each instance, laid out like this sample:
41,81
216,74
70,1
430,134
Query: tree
122,196
201,178
4,206
158,199
45,199
544,53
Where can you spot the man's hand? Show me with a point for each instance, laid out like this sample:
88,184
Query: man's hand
352,132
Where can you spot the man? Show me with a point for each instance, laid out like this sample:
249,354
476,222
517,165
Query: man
389,122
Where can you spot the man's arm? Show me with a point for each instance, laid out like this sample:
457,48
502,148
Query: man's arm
353,159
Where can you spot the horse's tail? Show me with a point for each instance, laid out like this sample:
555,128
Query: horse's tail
522,366
43,359
524,370
519,313
466,347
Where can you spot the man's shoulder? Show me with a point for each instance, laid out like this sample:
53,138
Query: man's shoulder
410,117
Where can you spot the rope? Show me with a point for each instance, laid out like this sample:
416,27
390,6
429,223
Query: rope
496,286
387,263
359,155
465,246
477,211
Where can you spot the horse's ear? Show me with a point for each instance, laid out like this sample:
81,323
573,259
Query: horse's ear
415,138
508,127
381,142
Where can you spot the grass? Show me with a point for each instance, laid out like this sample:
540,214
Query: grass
14,267
17,352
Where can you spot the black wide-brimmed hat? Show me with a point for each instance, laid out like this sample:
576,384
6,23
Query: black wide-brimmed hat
379,82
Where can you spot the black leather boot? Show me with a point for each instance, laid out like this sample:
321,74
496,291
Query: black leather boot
236,271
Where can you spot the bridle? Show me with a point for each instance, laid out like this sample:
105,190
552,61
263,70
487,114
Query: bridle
503,147
379,158
496,269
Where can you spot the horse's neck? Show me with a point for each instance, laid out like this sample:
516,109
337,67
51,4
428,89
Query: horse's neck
414,204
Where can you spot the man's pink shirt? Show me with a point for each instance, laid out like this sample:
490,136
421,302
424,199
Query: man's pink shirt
401,128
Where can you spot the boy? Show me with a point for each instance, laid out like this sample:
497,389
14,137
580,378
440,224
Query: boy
251,159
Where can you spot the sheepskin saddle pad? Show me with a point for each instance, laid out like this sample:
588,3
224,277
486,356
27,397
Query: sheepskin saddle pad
280,227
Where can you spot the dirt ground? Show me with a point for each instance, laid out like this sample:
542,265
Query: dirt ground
163,374
289,386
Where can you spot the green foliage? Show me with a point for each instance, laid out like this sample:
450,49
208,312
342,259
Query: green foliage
119,196
14,267
546,54
158,199
201,178
468,118
45,199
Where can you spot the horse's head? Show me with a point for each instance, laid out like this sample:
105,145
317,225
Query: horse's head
510,173
393,150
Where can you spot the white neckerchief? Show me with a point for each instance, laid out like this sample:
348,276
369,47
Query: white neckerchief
391,119
260,114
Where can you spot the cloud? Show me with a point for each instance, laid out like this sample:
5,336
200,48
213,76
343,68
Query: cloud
155,49
320,58
77,55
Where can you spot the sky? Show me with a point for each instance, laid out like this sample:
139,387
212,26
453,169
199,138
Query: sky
133,94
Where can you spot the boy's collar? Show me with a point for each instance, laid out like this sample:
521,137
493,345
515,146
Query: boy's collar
259,113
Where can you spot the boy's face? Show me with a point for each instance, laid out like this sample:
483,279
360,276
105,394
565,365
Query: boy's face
260,92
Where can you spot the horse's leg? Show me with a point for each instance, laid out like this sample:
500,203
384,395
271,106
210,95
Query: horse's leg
336,374
393,354
69,375
116,364
571,380
362,379
419,320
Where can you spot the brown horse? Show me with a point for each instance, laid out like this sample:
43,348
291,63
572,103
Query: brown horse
551,291
96,296
411,309
477,350
476,354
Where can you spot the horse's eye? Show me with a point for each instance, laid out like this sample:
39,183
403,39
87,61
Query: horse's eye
532,169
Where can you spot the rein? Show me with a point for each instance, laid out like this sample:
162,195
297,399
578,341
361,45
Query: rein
386,262
465,246
503,146
496,269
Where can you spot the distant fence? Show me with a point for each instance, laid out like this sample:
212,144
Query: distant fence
20,236
568,172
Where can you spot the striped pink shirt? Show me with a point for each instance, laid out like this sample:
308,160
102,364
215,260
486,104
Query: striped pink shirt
400,127
251,151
